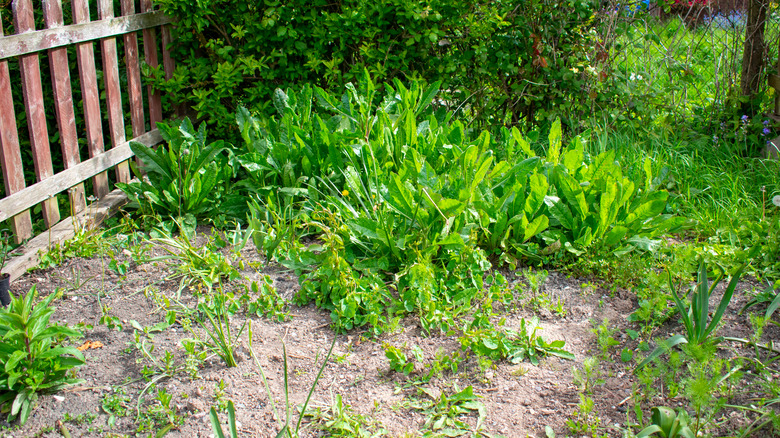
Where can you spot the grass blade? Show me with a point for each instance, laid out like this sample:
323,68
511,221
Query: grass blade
725,300
215,426
663,347
314,385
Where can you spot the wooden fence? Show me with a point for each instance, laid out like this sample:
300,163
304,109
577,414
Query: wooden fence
25,47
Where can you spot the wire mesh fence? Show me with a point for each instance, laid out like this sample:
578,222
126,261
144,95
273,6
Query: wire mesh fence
684,61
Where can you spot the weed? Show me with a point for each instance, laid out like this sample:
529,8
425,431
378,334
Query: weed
587,377
220,398
699,328
205,265
339,421
80,419
443,412
116,404
34,362
160,416
399,361
221,340
584,419
604,337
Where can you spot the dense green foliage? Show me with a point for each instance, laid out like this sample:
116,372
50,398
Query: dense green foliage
33,360
498,61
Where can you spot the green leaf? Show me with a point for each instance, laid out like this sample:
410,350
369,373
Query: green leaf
554,148
524,145
663,347
572,192
538,190
152,162
536,226
216,426
400,197
560,212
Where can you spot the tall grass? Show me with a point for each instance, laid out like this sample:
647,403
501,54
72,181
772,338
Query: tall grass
711,183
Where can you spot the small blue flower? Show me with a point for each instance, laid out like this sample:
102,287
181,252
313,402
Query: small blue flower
766,122
744,118
765,131
714,138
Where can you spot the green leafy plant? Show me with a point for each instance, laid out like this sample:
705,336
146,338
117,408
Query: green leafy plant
186,178
584,419
33,360
214,319
160,416
354,300
515,346
699,327
443,412
216,426
768,295
587,377
399,361
666,423
203,267
339,421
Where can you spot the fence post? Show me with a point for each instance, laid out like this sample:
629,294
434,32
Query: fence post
753,52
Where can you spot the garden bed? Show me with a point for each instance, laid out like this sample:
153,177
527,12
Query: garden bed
357,386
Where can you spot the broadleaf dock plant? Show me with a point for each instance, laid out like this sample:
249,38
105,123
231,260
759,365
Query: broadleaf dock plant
182,180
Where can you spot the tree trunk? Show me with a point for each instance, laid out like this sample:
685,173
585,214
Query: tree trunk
753,54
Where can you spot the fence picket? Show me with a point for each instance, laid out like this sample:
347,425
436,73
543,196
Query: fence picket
85,54
10,154
63,104
116,120
32,90
134,88
150,56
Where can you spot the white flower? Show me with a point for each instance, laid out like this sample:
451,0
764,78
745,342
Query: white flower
633,77
776,200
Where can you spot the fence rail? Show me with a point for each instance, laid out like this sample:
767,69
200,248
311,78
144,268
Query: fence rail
25,47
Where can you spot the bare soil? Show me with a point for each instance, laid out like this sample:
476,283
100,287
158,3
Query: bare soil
520,400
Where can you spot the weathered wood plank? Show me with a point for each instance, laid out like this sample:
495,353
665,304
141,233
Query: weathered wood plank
63,103
168,64
90,95
90,218
34,194
150,56
116,119
32,90
10,153
134,86
23,44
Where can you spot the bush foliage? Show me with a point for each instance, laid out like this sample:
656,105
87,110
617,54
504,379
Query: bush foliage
498,61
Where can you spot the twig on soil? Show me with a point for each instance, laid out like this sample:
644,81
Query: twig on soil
298,357
86,388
